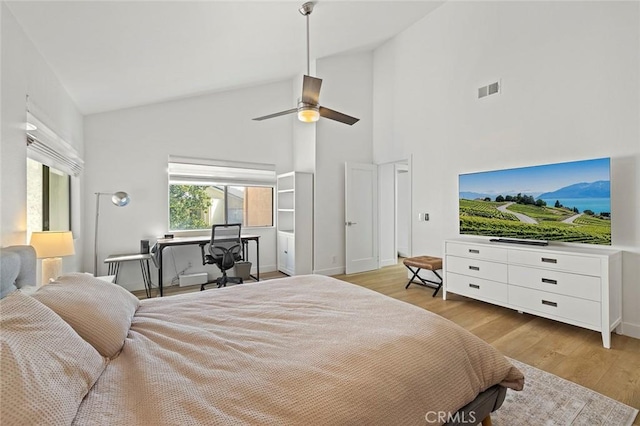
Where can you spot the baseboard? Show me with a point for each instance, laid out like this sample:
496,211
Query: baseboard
263,268
631,330
331,271
388,262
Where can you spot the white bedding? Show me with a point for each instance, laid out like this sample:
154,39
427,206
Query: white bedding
301,350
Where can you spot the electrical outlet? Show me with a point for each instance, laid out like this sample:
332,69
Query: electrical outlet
420,216
426,217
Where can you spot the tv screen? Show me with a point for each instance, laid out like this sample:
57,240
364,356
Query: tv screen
569,202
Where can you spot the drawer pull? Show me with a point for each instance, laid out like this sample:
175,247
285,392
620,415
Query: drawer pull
474,268
549,260
474,286
474,251
548,303
549,281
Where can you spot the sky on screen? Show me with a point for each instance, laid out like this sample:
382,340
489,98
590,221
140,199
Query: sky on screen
536,179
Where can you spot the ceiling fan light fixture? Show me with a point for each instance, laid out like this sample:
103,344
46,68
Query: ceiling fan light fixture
308,114
309,109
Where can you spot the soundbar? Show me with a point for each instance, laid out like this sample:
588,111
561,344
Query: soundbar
525,242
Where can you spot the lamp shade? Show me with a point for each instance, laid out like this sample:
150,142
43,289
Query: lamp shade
120,198
52,244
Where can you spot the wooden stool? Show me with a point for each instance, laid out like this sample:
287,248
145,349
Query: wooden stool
424,262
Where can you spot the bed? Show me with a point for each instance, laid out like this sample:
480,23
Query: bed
299,350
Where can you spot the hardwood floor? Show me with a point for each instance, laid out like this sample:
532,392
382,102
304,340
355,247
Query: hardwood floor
570,352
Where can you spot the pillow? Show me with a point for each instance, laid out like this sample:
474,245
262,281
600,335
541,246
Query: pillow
9,270
100,312
46,367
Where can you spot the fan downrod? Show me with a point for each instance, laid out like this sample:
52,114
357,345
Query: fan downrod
306,8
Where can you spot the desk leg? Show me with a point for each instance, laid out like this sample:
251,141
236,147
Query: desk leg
160,250
146,276
258,259
116,271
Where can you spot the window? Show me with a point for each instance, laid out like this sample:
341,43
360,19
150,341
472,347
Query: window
52,164
203,193
48,198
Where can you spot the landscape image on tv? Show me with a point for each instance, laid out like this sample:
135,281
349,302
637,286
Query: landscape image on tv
569,202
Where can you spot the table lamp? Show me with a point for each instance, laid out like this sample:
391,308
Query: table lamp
50,247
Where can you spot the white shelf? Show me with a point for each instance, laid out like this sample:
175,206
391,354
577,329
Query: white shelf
295,223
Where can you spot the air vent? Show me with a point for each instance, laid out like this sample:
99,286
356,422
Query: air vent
490,89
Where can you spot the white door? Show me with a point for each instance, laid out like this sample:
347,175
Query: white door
361,217
291,255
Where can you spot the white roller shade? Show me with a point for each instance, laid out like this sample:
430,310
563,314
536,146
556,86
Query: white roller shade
198,171
46,147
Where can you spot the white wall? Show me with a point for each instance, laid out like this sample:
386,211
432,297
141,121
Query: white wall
570,79
24,72
347,87
128,150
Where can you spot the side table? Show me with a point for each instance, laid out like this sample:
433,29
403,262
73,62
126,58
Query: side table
114,261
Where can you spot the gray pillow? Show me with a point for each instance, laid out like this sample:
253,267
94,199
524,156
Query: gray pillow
9,269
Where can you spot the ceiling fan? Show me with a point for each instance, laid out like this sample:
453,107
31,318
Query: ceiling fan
308,109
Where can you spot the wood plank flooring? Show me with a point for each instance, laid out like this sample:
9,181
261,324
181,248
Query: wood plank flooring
570,352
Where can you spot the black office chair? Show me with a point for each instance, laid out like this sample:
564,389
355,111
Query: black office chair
225,249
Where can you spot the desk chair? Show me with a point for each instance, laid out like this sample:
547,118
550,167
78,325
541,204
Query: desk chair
225,249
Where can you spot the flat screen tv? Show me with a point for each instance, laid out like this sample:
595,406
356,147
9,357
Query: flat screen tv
569,202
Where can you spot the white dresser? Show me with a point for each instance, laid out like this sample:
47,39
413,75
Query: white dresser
576,285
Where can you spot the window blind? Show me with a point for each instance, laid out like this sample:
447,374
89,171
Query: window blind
46,147
198,171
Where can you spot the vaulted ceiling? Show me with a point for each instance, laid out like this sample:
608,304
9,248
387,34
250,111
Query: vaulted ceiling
118,54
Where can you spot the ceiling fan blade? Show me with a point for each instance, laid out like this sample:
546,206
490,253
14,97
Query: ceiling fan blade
277,114
338,116
311,90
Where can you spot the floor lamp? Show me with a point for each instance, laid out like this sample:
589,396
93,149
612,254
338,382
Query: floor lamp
120,199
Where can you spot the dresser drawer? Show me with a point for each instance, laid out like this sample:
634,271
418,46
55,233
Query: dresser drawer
476,288
583,286
558,305
477,268
477,251
560,262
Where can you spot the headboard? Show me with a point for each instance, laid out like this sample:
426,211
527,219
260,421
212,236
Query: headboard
17,268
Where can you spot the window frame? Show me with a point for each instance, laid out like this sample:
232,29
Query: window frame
221,174
45,205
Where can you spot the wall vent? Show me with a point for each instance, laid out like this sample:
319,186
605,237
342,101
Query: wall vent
490,89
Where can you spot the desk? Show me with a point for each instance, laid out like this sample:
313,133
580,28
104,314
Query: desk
163,243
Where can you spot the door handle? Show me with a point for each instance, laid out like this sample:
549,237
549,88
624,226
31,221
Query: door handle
350,223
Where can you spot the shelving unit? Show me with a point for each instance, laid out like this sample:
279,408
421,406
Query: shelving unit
295,223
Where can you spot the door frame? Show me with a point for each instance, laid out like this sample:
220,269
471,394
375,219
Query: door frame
406,166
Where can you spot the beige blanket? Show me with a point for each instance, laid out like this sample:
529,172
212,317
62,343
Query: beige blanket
301,350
